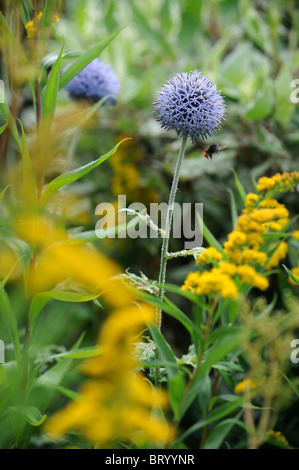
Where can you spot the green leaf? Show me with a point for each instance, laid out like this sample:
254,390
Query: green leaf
50,92
74,175
66,392
233,208
2,128
165,350
4,108
188,295
292,276
154,36
51,58
45,385
48,13
10,321
81,62
219,432
83,353
170,308
220,350
40,300
3,192
261,106
28,171
32,414
217,414
291,384
176,392
204,393
239,186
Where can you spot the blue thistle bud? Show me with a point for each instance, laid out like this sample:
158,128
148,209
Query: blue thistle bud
191,104
94,82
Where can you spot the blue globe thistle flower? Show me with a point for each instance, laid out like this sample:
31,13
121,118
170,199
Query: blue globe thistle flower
94,82
191,104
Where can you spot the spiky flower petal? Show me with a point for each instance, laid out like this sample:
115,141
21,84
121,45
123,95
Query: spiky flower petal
94,82
191,104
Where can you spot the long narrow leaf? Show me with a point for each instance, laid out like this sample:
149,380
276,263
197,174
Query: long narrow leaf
50,91
40,300
81,62
10,321
30,185
164,349
74,175
239,186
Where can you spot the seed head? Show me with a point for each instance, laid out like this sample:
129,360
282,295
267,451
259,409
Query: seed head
191,104
94,82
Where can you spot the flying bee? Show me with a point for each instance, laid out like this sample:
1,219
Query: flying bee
213,148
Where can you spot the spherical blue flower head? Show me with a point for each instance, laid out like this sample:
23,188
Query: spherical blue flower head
191,104
94,82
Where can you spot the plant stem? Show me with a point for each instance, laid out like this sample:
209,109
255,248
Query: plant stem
37,84
169,215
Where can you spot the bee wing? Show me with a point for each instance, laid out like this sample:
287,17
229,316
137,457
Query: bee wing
222,147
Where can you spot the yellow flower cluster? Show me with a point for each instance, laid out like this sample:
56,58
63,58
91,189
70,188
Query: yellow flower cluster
246,385
118,403
278,436
127,178
32,25
214,281
280,182
209,255
60,258
279,254
258,218
245,251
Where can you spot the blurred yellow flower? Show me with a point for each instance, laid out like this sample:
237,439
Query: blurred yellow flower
278,436
32,25
246,385
248,275
296,234
118,403
60,257
278,255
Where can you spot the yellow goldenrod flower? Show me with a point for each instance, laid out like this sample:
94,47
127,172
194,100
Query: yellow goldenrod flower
246,224
296,234
32,26
278,436
247,385
118,403
248,275
249,255
61,257
31,29
214,281
209,255
270,203
251,200
228,268
295,271
266,215
280,182
278,255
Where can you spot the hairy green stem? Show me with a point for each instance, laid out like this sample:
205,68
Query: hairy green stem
164,250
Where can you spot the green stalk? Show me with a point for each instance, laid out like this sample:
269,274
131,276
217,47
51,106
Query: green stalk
169,215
